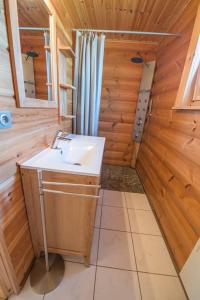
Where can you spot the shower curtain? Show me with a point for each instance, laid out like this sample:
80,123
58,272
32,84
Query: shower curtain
88,82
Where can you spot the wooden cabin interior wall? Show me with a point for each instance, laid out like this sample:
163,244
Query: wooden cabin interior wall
33,129
120,77
121,81
168,161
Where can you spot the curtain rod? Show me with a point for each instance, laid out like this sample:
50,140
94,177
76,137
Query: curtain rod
33,28
129,32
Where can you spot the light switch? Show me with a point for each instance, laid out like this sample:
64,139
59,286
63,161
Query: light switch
5,119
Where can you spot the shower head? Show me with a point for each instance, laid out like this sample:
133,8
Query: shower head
32,54
137,60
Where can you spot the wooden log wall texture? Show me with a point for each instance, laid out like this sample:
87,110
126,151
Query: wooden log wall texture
121,81
33,129
169,160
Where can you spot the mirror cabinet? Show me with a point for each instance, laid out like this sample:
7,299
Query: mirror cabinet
32,40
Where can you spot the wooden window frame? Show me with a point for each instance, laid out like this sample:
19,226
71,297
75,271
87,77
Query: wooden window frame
187,89
16,60
196,95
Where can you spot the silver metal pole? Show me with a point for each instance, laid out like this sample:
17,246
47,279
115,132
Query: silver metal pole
47,272
129,32
33,28
43,220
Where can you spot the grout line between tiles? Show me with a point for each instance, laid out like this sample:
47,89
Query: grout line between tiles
122,191
147,234
115,268
160,274
134,252
137,271
129,231
98,248
125,207
121,269
132,208
118,230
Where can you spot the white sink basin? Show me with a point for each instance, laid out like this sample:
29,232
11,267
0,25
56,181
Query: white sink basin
75,152
83,154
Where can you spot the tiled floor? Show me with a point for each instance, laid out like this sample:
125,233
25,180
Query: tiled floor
129,257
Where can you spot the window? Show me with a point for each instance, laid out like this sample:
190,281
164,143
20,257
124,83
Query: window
188,96
196,95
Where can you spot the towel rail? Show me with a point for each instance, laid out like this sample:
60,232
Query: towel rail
72,184
71,194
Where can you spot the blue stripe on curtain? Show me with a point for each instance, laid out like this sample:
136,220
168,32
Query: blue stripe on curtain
88,82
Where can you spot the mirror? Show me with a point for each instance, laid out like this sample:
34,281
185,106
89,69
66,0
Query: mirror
34,51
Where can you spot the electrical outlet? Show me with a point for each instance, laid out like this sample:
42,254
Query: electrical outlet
5,119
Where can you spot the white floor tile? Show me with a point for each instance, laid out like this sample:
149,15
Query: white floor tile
94,250
27,293
137,201
98,216
157,287
152,255
115,218
114,198
100,200
116,250
112,284
77,284
143,221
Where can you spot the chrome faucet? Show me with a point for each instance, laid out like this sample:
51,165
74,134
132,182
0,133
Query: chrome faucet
60,135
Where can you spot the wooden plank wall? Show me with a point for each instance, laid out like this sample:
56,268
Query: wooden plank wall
33,129
169,161
121,81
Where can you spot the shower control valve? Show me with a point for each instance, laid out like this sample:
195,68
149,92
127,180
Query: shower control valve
139,122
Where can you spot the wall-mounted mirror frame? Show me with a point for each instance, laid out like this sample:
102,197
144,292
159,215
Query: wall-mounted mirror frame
16,58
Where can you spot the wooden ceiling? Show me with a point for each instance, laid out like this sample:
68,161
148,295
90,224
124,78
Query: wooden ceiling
144,15
32,13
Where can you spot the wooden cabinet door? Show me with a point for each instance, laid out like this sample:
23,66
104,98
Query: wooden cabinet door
69,222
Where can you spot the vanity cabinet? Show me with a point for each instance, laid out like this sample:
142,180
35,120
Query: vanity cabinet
70,202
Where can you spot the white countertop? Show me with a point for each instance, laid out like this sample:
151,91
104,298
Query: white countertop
84,150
